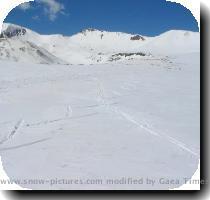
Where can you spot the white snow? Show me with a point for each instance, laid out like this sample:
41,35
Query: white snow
135,119
117,116
93,46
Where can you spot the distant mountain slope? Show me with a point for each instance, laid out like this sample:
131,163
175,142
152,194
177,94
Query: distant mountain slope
90,46
175,42
14,47
17,50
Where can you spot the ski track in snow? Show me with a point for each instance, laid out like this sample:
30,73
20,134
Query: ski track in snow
46,122
18,125
131,119
103,102
93,91
24,145
155,133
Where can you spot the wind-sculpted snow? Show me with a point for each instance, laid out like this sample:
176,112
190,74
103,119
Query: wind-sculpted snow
136,119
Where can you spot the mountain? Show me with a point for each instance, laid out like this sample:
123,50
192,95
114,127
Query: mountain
175,42
90,46
14,47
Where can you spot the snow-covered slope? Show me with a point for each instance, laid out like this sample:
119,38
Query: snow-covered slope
25,51
92,46
101,122
174,42
14,47
136,119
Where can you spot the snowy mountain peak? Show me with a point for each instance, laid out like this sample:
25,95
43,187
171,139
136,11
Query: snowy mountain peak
95,34
10,30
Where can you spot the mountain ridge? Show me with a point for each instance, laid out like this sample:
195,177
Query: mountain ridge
91,29
91,46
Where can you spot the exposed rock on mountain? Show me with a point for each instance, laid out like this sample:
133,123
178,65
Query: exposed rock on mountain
90,46
137,37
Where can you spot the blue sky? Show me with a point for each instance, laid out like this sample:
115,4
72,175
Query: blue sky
146,17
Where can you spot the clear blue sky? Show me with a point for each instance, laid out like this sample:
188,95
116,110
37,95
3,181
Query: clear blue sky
146,17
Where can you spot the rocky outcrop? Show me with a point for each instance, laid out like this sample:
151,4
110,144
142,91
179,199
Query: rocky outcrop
12,32
128,56
138,37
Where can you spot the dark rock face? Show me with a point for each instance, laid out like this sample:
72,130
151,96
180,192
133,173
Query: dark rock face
138,37
12,32
119,56
130,54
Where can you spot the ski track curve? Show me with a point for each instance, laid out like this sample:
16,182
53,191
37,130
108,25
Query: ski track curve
135,122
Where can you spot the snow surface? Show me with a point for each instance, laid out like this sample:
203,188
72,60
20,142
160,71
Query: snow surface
99,105
137,118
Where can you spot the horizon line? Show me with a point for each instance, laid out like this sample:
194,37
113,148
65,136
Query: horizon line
96,29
